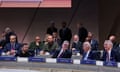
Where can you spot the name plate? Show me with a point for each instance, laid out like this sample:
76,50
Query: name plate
112,64
22,59
76,61
93,62
7,58
118,65
51,60
64,60
99,63
36,59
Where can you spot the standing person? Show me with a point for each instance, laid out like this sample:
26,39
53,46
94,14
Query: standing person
65,33
82,32
8,32
52,28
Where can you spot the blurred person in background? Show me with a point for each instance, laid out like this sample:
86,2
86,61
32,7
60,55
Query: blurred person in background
56,39
52,28
112,38
8,32
93,41
82,32
77,45
65,33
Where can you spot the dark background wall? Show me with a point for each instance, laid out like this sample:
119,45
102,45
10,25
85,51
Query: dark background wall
109,19
19,19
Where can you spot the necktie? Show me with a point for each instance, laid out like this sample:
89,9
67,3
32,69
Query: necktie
85,56
61,54
107,57
13,47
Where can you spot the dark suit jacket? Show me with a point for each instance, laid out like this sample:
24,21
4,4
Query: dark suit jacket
78,46
66,54
93,55
113,56
65,34
27,54
50,30
94,44
83,33
118,54
8,47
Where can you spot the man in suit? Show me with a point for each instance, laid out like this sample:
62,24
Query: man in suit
88,53
36,46
13,47
64,52
25,52
56,39
82,32
77,45
93,41
52,28
65,33
109,54
8,32
112,38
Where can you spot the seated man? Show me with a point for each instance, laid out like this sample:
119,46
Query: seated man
88,53
13,47
93,41
64,52
112,38
56,39
25,52
77,45
50,46
36,46
109,53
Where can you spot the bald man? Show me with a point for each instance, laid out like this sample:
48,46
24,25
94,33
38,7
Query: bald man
50,46
36,46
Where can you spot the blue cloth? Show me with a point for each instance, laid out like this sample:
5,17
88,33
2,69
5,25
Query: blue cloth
113,56
8,47
93,55
94,44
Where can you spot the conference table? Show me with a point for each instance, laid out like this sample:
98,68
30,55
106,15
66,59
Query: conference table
48,64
